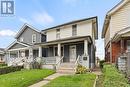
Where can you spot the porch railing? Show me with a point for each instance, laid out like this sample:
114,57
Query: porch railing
77,62
59,62
49,60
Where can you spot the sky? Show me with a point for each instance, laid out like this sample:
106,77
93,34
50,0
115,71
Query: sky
43,14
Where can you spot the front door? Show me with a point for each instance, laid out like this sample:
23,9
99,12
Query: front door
73,53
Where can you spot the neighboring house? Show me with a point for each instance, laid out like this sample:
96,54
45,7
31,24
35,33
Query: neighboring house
2,54
63,45
23,47
116,32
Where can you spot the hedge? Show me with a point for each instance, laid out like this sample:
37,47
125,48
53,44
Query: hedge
8,69
2,64
101,63
112,78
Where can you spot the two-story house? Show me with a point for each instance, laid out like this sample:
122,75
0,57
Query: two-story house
116,31
66,42
64,45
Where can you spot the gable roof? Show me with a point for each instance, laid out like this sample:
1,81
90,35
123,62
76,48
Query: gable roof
17,42
76,21
23,29
120,33
109,13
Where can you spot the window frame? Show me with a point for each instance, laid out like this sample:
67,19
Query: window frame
58,33
34,38
74,30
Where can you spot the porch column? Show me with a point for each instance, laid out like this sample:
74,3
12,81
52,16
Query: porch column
18,53
59,49
30,53
9,54
8,59
40,51
122,46
86,47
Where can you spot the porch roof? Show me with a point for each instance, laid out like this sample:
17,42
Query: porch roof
66,40
122,33
23,45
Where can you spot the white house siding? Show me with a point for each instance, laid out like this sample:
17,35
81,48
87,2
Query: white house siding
51,35
83,29
66,32
107,36
120,19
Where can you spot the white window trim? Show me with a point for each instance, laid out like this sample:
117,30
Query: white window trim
57,34
33,38
74,33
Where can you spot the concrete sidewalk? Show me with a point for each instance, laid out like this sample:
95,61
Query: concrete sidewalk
47,80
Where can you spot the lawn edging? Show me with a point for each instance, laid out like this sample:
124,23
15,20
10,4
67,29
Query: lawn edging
94,85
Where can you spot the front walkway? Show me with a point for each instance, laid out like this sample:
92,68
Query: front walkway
47,80
97,71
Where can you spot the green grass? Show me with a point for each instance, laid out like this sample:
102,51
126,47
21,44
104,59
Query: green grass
112,78
79,80
23,78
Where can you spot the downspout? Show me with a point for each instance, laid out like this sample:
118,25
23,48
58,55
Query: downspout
110,51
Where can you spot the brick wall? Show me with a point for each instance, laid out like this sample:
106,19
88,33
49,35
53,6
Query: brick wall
116,50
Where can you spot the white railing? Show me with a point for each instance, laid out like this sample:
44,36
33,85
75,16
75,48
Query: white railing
77,62
59,62
17,61
49,60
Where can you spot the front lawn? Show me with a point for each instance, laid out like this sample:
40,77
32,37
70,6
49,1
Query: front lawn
23,78
78,80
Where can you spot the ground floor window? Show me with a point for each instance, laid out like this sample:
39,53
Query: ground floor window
128,45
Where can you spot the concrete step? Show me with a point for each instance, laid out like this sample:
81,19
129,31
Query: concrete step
67,65
66,68
66,71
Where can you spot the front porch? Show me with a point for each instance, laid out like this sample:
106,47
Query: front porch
121,50
68,52
18,53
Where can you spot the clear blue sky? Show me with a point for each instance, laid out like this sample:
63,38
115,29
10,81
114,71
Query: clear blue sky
46,13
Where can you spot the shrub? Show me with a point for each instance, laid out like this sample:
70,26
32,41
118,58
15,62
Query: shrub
8,69
81,69
101,63
112,78
3,64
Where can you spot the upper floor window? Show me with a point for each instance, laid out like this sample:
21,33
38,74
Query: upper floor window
21,39
74,30
34,38
58,34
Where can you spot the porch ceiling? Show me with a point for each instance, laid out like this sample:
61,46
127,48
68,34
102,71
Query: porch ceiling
66,40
